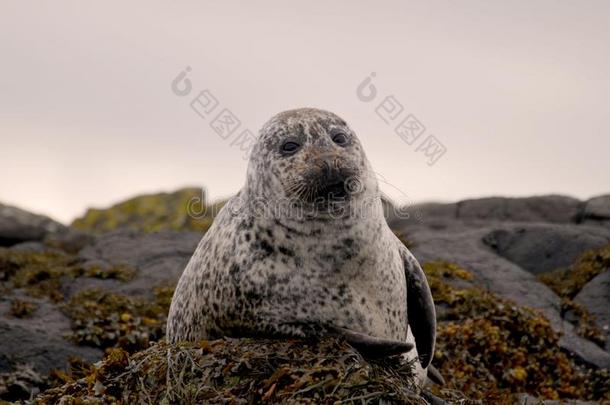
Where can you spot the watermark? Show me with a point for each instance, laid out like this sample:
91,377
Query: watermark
405,125
221,119
351,200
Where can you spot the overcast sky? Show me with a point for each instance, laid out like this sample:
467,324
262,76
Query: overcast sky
517,92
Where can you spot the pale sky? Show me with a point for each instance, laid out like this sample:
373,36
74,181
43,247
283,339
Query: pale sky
517,92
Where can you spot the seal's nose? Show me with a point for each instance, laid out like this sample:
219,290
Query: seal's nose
330,182
327,168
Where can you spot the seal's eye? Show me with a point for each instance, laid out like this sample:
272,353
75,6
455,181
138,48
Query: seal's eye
289,147
339,138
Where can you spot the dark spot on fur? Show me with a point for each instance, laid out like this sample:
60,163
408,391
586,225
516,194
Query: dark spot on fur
285,251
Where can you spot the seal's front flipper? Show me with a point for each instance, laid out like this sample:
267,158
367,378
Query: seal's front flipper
420,308
370,346
435,376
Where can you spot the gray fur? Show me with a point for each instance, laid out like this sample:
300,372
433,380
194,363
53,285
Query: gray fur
281,261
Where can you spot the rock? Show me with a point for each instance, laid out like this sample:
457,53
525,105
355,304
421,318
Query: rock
597,211
37,247
503,242
551,208
23,382
595,297
526,399
184,209
431,211
38,340
462,243
539,248
434,215
598,207
17,225
70,241
158,257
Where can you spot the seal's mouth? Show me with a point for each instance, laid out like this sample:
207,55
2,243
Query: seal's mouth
323,187
333,191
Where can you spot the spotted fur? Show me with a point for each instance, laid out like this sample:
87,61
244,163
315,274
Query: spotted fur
278,263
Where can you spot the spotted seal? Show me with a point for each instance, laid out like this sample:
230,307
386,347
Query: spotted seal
303,250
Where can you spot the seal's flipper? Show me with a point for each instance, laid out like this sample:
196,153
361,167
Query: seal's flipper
370,346
435,376
432,399
420,309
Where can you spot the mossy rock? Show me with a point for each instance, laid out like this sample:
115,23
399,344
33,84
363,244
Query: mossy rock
489,347
568,282
41,274
240,371
183,210
106,320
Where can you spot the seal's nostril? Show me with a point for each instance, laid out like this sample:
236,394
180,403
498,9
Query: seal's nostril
327,167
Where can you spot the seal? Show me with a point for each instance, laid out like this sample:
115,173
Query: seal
304,250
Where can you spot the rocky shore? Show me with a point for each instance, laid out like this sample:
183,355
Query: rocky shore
522,288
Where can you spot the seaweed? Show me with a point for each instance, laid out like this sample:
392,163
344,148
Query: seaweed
567,282
40,274
243,371
22,382
22,308
489,347
104,319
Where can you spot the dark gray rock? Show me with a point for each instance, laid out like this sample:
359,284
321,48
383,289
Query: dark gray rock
527,399
38,340
597,207
595,297
17,225
462,243
596,211
34,247
158,257
70,240
539,248
550,208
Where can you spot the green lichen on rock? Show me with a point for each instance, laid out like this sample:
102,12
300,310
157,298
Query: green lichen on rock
183,210
40,273
242,371
489,348
103,319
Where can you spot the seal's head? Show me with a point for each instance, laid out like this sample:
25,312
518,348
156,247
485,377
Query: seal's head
309,156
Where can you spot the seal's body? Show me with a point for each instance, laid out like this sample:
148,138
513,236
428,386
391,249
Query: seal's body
304,249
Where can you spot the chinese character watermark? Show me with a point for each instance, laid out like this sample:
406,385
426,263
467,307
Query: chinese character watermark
222,120
406,126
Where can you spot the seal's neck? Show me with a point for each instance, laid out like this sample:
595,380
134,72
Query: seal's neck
360,216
